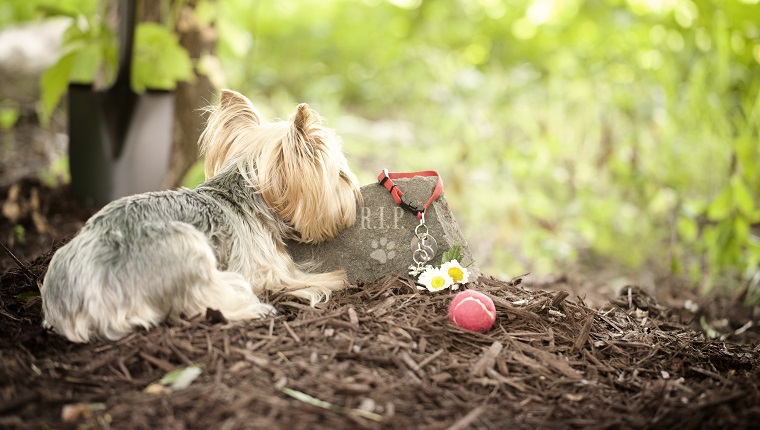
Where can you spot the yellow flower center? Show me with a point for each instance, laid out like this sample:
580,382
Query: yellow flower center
456,274
437,282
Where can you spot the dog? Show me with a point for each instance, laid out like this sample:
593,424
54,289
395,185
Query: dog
157,256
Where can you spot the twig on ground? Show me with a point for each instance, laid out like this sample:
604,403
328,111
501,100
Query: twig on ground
18,262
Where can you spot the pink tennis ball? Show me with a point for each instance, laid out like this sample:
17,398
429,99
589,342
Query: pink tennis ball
473,311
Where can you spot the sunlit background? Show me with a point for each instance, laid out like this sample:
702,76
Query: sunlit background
570,134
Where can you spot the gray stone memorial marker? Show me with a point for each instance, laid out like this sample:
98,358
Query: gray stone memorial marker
380,243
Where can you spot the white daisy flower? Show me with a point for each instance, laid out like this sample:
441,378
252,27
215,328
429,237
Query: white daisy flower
458,274
435,280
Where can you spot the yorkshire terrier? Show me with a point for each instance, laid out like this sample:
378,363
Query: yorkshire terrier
152,257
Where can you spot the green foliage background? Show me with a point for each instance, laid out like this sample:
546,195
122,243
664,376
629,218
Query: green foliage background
620,131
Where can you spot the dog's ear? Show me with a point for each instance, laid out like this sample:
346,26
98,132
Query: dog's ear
222,140
304,181
304,119
233,101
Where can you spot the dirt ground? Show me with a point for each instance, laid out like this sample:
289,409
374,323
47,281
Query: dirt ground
379,355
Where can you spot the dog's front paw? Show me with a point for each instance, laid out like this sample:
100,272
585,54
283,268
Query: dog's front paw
251,312
267,311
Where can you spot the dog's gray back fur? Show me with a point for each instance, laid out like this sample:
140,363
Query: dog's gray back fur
219,208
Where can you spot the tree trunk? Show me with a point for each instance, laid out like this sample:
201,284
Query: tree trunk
191,97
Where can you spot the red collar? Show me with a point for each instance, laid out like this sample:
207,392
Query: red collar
386,180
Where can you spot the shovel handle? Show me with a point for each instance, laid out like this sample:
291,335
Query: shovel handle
119,101
127,17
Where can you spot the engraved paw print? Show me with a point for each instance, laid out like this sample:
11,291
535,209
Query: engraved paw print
383,250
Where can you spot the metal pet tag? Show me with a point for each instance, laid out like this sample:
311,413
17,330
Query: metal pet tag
429,244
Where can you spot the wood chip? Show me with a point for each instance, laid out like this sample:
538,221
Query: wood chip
487,359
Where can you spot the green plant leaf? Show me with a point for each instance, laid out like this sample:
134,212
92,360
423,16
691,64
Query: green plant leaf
721,206
206,11
86,63
57,173
181,378
313,401
687,229
455,253
27,296
160,61
741,230
8,115
71,8
742,196
19,233
54,83
708,329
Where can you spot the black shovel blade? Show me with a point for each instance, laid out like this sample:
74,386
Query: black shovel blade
106,163
90,161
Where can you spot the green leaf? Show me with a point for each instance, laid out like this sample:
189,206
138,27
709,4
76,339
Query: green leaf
54,83
687,229
741,230
455,253
313,401
742,196
27,296
56,174
160,61
9,116
721,206
74,34
19,233
181,378
86,63
71,8
708,329
205,12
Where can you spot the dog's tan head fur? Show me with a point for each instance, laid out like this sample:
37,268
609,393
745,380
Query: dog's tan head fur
297,165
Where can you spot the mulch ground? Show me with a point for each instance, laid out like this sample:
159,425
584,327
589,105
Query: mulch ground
383,355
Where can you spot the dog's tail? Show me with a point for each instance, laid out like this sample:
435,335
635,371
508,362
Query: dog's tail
312,287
